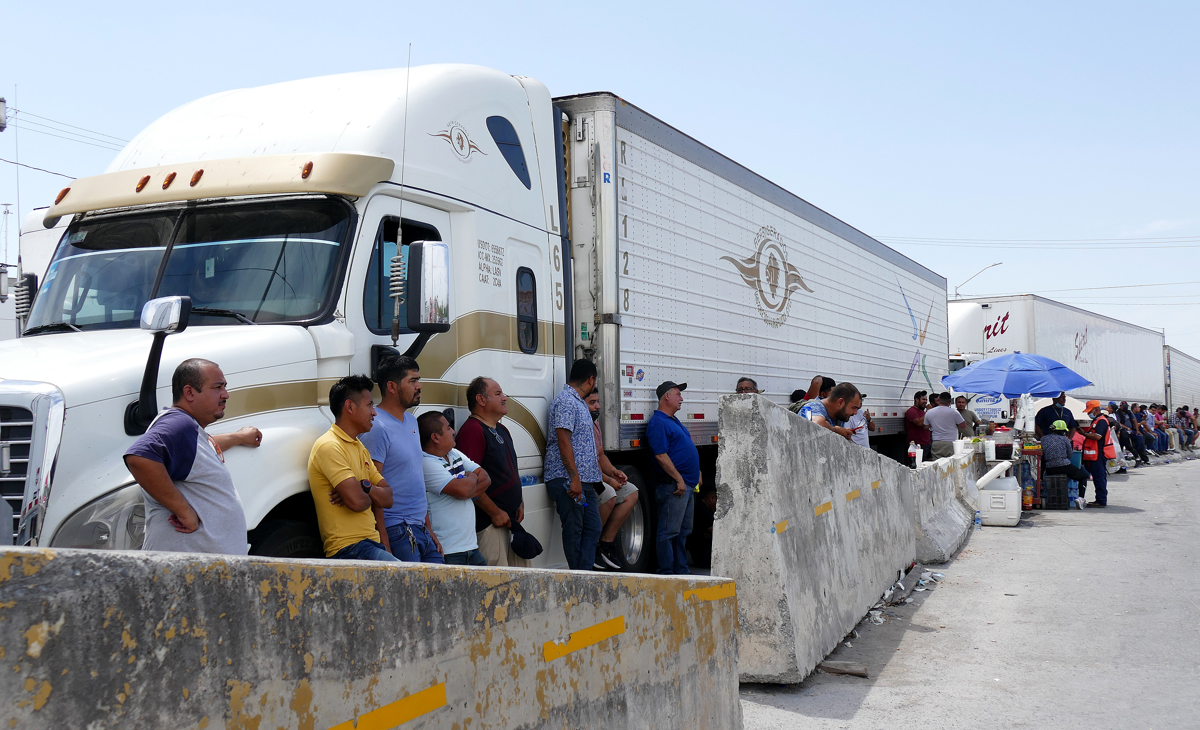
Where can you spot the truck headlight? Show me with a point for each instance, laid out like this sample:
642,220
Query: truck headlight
116,521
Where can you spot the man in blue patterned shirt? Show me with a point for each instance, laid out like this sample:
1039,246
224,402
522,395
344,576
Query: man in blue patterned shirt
572,467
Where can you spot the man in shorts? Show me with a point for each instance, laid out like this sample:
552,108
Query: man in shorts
617,498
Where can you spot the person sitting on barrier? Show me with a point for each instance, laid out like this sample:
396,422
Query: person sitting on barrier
452,481
191,503
347,489
1131,438
945,424
1056,455
677,478
914,424
486,441
818,388
746,385
617,498
395,447
572,467
835,409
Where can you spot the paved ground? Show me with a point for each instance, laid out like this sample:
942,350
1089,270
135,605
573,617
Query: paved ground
1071,619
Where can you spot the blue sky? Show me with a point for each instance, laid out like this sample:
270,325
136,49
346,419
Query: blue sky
1016,122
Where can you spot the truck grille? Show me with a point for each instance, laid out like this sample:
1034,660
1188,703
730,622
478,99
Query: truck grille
16,433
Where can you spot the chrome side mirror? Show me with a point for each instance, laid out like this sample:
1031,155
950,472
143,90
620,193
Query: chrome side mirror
166,314
428,286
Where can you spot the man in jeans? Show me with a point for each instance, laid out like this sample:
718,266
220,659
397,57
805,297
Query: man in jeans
347,489
452,481
572,468
395,447
678,478
485,440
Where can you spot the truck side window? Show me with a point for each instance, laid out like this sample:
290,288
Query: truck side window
378,305
509,143
527,338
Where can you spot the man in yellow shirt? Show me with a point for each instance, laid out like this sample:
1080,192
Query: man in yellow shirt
349,492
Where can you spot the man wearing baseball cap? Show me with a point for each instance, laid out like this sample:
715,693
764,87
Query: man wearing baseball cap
1104,450
677,478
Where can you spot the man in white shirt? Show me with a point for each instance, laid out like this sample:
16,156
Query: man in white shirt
859,424
452,481
946,423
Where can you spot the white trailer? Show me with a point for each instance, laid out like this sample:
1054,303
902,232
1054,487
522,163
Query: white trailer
1182,378
1123,361
576,227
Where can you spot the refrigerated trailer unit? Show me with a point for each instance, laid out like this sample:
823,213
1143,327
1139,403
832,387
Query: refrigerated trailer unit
572,227
1123,361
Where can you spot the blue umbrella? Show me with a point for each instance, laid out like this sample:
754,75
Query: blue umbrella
1015,375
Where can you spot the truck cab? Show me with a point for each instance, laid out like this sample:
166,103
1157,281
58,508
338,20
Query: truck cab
278,212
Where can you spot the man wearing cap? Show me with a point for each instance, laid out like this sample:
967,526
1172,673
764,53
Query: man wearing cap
677,478
1056,454
1101,435
1131,439
1056,411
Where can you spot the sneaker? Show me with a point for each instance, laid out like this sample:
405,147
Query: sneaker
1096,504
1122,470
611,556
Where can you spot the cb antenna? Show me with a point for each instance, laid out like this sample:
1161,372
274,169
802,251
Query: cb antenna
398,277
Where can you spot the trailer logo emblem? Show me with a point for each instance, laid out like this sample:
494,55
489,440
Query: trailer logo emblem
459,140
770,275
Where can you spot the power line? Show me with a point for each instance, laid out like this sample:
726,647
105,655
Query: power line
55,121
69,139
1089,288
39,169
1039,240
81,135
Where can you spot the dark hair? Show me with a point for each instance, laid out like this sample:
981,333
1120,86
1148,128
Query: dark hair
476,388
963,397
919,394
189,372
744,379
944,396
844,391
827,384
346,388
582,370
798,395
429,423
393,370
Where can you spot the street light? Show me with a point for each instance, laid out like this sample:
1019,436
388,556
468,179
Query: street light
977,273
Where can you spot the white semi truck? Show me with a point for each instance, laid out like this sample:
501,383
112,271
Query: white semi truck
1123,361
531,231
1183,378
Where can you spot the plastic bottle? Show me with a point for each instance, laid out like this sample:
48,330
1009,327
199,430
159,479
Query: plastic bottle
915,453
978,521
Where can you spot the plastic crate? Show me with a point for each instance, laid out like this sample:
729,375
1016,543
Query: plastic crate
1054,491
1004,452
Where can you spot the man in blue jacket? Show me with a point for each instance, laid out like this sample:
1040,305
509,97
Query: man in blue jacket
677,475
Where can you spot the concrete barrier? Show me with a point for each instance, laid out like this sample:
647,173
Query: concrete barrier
941,518
100,639
814,529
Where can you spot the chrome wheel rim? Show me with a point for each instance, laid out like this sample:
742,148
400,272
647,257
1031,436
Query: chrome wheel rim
632,538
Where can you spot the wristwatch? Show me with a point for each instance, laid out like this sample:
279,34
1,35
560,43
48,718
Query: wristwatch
366,485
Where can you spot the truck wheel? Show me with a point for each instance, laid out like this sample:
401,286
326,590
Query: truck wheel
636,537
287,539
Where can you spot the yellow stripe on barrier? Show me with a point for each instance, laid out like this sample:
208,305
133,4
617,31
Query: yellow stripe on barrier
712,593
875,484
584,638
779,527
852,495
400,711
822,508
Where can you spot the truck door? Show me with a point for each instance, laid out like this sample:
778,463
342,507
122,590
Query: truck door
368,306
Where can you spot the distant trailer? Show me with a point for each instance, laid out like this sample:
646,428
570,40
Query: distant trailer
1183,378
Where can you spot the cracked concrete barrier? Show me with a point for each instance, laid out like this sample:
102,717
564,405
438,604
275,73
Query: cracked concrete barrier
812,528
107,639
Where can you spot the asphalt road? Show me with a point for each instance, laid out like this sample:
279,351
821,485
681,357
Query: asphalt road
1069,620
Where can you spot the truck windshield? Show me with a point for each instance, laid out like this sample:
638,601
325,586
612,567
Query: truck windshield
269,261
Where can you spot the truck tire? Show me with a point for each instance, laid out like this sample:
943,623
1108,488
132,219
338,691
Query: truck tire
636,538
287,539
